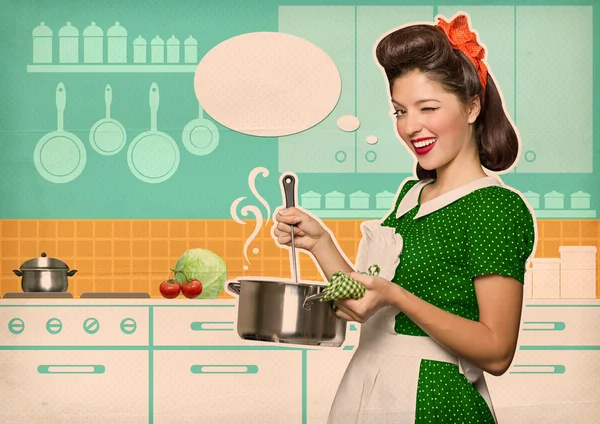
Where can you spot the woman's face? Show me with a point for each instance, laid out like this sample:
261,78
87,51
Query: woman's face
431,121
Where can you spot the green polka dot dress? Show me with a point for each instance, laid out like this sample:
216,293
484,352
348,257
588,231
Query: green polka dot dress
489,230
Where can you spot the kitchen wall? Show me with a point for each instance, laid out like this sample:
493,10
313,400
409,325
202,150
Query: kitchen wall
125,255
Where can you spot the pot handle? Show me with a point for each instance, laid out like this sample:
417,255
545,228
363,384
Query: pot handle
71,273
234,286
19,273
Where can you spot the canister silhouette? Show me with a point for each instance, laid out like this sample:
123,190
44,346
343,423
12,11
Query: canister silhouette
42,44
191,50
139,50
157,50
68,45
117,44
173,46
92,44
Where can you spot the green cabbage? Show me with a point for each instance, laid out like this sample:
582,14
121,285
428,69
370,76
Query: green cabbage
207,267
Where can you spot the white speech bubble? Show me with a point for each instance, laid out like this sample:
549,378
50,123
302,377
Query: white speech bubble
371,139
348,123
267,84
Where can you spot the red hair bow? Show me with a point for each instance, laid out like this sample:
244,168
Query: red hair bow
463,39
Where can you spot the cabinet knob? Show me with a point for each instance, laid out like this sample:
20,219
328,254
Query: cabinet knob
340,156
371,156
530,156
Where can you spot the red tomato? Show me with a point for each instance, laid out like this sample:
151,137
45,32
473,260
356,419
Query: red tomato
170,289
192,288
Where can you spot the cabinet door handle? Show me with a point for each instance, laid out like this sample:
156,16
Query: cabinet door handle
539,369
224,369
212,326
544,326
71,369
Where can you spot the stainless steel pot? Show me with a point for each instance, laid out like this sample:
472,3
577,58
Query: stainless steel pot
44,275
273,310
286,311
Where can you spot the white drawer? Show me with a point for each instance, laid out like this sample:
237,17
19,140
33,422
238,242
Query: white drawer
83,387
197,326
560,380
242,386
560,325
74,325
215,326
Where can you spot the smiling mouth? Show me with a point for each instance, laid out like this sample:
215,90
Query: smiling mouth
420,143
424,145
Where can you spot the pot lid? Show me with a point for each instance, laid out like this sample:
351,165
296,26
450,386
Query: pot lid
581,194
359,194
311,194
44,262
554,194
335,194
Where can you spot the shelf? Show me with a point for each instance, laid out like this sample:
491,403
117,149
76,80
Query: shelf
565,213
349,213
115,68
380,213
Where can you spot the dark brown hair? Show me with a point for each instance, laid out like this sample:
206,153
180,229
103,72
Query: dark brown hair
427,49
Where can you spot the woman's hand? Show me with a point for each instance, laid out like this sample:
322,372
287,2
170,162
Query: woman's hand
380,293
308,232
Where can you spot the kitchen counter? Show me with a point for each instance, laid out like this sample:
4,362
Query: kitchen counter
153,361
181,360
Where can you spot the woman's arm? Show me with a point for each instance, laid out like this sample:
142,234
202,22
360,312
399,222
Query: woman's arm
490,343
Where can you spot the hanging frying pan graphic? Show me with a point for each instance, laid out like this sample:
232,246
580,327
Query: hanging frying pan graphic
200,136
153,156
108,136
60,156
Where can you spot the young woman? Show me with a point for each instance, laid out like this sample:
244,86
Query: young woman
452,308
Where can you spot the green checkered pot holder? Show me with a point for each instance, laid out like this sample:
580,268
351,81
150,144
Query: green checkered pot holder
341,286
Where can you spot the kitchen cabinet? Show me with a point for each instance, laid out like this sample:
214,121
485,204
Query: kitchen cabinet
554,386
84,387
569,324
554,77
389,154
234,386
323,148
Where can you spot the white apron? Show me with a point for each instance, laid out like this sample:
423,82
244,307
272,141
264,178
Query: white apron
380,383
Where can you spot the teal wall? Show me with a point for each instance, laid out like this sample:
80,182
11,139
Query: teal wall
206,186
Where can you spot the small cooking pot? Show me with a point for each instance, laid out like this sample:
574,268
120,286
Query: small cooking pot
44,275
281,311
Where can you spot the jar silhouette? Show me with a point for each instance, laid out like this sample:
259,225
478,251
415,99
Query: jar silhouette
173,46
42,44
139,50
117,44
93,38
68,45
191,50
157,50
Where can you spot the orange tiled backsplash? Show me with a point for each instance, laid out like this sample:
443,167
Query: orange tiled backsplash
136,255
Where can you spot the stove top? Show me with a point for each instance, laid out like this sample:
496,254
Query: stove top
114,295
67,295
37,295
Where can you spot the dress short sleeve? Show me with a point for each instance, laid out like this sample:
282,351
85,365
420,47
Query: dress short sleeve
500,234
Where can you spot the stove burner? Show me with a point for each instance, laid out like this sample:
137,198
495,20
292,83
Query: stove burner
37,295
114,295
